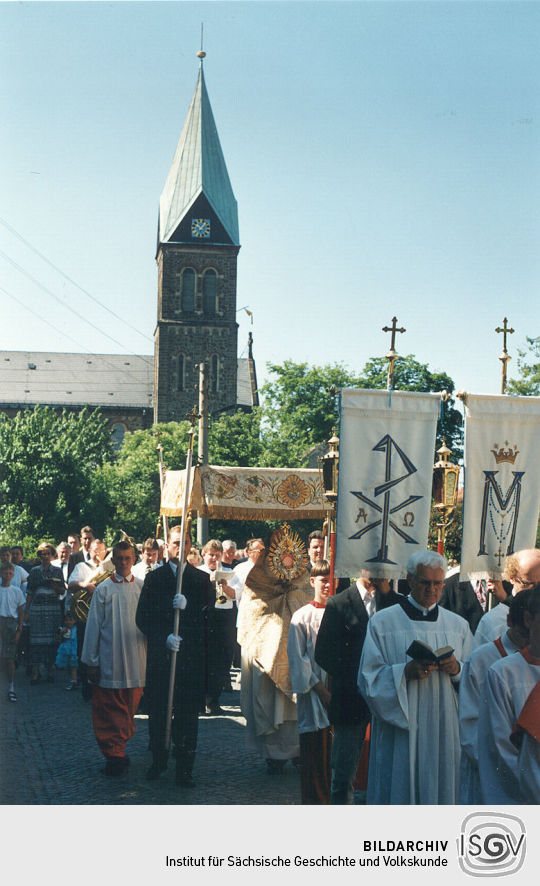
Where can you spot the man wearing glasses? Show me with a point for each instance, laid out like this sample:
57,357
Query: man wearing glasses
523,571
415,746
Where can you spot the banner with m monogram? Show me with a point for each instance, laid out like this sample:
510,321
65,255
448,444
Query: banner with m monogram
386,455
502,481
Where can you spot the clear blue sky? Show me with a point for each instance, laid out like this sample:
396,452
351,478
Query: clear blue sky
385,158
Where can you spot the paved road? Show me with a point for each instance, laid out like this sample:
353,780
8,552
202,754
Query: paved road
49,756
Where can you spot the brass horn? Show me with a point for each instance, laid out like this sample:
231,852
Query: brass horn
80,601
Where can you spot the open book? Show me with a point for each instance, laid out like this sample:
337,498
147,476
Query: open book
423,652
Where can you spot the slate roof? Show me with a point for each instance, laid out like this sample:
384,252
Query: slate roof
29,378
198,168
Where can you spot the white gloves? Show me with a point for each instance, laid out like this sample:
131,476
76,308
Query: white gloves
173,643
179,601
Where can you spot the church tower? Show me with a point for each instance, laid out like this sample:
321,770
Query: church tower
198,245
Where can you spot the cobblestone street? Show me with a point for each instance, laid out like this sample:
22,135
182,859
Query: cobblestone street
49,756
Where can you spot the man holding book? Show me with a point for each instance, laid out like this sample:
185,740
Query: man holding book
411,691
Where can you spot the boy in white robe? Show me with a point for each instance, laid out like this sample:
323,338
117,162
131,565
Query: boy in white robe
415,747
508,685
471,695
309,682
114,652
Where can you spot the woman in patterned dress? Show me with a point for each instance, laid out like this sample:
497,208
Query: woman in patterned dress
44,612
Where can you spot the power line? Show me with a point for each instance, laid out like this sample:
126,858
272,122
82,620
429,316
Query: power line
65,335
42,319
58,299
70,280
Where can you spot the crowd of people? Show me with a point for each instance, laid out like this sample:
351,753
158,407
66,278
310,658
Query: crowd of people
423,693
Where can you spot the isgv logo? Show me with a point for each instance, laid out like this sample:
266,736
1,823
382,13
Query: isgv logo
491,844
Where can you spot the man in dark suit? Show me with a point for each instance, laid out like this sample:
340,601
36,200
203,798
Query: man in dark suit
63,561
338,650
470,600
155,618
83,555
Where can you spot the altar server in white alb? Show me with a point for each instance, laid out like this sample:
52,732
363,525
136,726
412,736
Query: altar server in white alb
472,695
309,682
114,652
509,683
415,747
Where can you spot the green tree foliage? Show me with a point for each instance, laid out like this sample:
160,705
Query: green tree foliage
529,366
410,375
300,409
236,439
130,484
48,461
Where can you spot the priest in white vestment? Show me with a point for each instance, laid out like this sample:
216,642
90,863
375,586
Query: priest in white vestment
415,747
509,683
264,617
472,695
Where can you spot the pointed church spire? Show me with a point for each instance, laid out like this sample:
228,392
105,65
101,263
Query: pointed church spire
198,171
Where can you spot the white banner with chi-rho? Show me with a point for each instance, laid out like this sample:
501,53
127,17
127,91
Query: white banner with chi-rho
387,450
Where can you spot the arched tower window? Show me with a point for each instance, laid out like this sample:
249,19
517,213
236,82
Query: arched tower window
188,291
181,373
210,292
214,374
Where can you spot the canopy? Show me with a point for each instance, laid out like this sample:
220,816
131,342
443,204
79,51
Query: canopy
233,493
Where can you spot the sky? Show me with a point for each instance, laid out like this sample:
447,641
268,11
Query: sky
384,156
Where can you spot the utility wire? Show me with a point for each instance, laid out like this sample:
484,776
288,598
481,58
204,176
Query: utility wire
70,280
65,335
58,299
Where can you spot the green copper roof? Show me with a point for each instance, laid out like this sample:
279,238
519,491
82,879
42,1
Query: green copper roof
198,168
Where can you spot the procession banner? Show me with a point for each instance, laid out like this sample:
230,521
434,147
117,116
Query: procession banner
387,447
247,493
502,481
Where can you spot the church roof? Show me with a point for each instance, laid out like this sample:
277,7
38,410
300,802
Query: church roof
30,378
58,379
198,168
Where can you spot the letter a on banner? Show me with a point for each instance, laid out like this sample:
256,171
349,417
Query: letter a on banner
502,481
387,449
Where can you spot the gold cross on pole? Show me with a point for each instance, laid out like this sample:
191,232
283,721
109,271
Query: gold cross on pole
193,416
504,357
391,356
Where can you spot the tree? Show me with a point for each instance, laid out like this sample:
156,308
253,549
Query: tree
236,439
48,460
529,383
130,485
300,405
410,375
300,409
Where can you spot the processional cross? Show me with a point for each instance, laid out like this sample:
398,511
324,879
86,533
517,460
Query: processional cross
392,354
505,356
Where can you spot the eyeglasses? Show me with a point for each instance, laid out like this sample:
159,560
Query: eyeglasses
524,585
